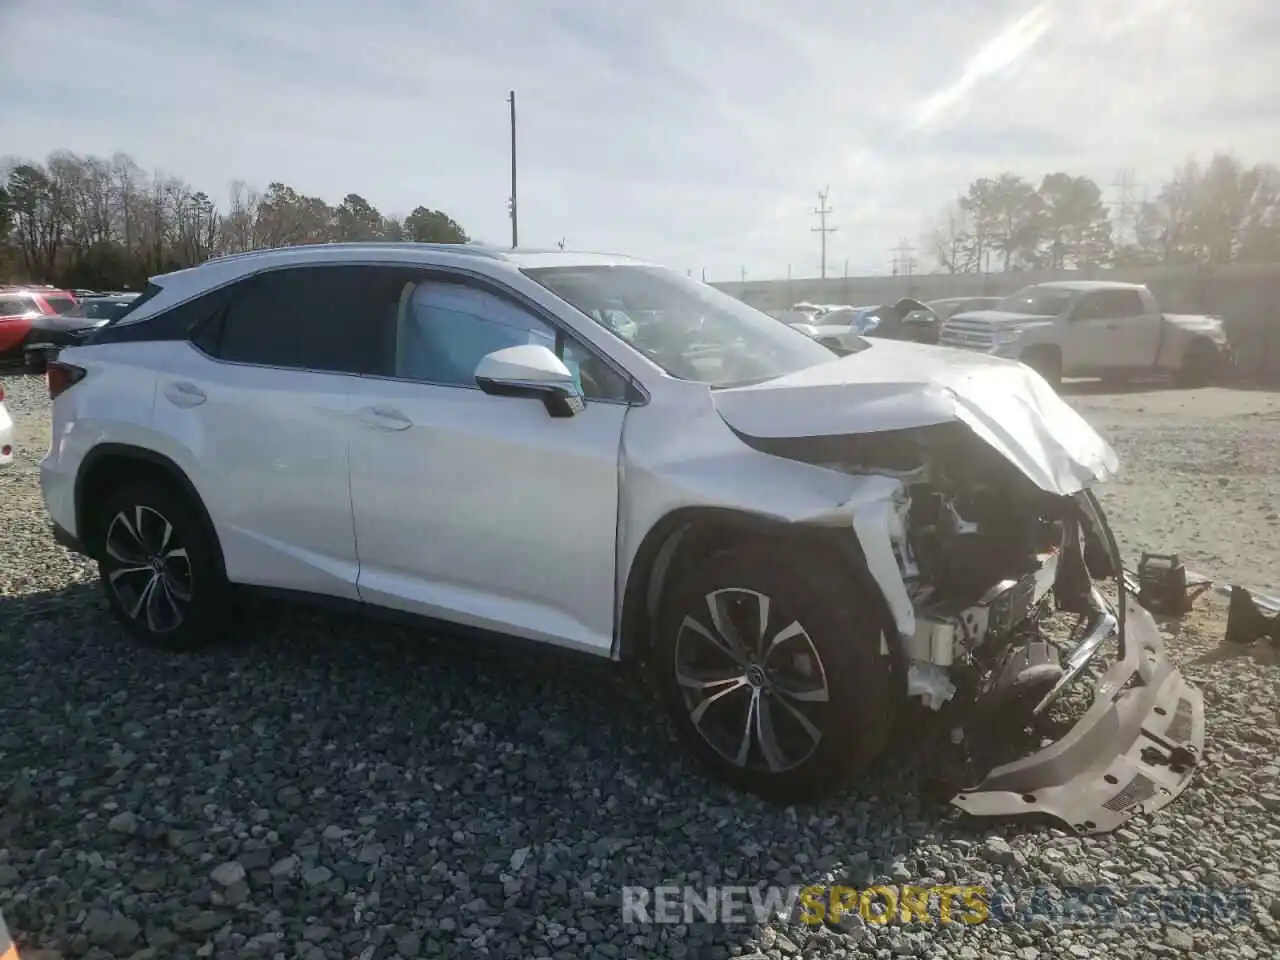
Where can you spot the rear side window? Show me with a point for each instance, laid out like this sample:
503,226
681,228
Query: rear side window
63,305
176,323
305,318
13,306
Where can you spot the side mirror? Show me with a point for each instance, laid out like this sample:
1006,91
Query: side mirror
532,371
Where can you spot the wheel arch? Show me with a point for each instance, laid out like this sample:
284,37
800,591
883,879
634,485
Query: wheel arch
690,531
110,465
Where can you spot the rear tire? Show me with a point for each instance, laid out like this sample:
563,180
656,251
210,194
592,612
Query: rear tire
789,708
1046,362
1199,365
159,567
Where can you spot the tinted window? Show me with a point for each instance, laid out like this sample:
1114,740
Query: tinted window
443,330
63,305
1109,305
1120,303
308,318
10,306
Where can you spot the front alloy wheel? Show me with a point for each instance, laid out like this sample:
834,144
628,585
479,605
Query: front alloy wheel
769,663
751,688
148,569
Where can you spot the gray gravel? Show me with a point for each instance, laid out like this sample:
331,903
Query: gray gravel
325,788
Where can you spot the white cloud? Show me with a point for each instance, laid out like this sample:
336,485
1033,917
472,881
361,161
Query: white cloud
693,133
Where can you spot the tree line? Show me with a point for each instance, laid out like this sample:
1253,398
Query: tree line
1221,212
86,221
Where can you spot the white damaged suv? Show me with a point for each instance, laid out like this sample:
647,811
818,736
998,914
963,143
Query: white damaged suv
793,546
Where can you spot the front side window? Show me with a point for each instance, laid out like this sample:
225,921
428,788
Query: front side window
690,330
444,330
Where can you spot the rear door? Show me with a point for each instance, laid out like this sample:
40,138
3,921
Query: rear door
262,405
1139,330
1091,338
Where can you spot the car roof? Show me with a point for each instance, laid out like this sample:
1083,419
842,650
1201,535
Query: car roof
1089,285
426,253
181,285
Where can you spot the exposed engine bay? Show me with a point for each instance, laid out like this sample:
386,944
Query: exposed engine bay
983,556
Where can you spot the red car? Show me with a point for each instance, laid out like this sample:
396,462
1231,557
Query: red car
20,306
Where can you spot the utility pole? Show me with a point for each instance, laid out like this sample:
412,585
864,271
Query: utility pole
903,260
515,231
742,273
822,228
1124,203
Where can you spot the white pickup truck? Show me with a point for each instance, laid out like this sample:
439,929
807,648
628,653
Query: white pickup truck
1093,328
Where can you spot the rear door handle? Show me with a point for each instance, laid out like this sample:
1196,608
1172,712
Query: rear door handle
184,394
384,418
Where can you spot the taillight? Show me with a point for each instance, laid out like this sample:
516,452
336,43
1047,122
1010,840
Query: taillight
1,393
62,377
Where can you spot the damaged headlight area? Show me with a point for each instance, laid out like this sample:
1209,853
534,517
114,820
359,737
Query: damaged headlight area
973,559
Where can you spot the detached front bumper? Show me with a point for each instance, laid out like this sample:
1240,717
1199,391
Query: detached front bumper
1134,750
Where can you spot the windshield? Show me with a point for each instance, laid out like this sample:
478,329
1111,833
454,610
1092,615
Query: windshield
691,330
1037,301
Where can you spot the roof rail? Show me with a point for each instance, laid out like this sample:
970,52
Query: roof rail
465,249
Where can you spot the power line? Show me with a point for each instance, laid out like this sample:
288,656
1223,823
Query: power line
822,211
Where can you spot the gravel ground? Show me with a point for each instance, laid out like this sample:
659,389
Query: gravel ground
331,789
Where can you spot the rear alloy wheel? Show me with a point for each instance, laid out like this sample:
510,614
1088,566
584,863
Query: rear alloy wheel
777,701
1199,365
158,568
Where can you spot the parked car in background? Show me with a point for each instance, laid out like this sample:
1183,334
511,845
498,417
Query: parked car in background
948,307
6,432
1094,328
841,327
790,552
106,306
24,309
43,332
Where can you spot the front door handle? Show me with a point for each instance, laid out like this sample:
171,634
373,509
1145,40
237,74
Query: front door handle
183,394
384,418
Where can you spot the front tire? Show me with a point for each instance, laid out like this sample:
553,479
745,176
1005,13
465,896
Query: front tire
772,671
159,567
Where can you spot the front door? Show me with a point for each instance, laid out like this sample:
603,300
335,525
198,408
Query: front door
478,509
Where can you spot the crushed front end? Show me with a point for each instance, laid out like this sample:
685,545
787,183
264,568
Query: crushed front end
987,560
984,563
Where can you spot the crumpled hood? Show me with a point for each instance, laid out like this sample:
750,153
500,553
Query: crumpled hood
897,385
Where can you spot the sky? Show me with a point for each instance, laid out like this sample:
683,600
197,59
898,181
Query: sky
696,133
